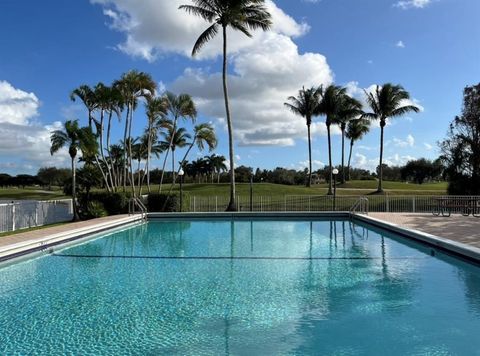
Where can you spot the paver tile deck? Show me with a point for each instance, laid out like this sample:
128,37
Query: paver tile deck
464,229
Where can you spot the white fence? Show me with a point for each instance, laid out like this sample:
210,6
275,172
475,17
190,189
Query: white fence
30,213
376,203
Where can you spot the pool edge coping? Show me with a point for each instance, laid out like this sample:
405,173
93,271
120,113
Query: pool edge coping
27,249
457,248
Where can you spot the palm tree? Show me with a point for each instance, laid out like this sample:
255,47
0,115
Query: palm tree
203,135
356,129
173,139
132,86
156,111
387,101
350,108
87,96
306,105
218,165
330,106
75,138
240,15
176,107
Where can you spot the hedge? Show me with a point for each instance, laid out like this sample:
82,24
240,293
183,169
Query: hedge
113,203
166,203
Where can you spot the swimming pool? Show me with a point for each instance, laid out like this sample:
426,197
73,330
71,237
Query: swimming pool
257,287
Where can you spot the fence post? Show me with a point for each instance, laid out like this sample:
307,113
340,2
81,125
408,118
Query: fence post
36,213
261,203
285,198
387,204
194,205
13,216
413,201
216,203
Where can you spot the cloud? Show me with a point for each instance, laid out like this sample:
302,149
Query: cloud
316,164
262,78
400,44
371,164
408,142
17,106
408,4
24,143
158,27
428,146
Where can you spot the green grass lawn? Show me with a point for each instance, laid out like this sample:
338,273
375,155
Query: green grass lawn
350,188
264,189
31,193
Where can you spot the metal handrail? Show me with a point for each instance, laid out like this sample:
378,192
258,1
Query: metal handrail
361,204
136,202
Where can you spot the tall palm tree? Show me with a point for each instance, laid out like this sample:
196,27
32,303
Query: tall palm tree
240,15
75,138
330,106
386,102
306,105
173,139
156,111
350,108
87,96
203,136
133,85
356,129
175,107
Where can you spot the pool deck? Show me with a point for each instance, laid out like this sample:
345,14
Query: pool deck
26,242
457,228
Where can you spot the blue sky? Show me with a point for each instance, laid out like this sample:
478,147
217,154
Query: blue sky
431,47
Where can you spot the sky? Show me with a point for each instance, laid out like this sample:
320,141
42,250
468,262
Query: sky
48,48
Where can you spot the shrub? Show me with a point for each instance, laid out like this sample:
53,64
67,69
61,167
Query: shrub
166,202
96,209
113,203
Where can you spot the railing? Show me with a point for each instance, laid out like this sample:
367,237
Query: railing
135,205
376,203
361,206
29,213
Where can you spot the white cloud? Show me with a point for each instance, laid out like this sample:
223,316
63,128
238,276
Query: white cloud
158,27
408,4
428,146
17,106
408,142
265,69
24,143
400,44
316,164
261,80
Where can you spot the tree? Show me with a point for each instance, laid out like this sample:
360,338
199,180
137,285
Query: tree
461,148
173,139
349,109
74,138
51,176
331,105
356,129
156,111
306,105
87,96
175,108
203,135
133,85
218,165
386,102
240,15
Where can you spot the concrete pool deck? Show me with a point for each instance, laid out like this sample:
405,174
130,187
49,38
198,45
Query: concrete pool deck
457,228
41,239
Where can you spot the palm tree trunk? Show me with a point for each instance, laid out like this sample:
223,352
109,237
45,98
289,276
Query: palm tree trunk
350,159
309,181
102,154
132,178
343,155
329,159
149,150
174,129
111,169
125,152
380,168
173,167
231,205
76,217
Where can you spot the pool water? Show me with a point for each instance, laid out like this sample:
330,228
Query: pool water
323,287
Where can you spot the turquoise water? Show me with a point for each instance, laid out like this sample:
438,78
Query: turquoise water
242,288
